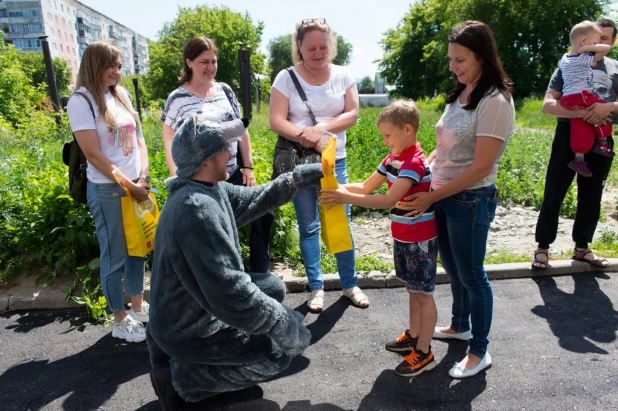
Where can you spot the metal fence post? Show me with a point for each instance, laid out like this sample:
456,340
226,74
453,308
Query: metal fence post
51,78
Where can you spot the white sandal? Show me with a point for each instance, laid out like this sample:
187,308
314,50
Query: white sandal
356,295
315,302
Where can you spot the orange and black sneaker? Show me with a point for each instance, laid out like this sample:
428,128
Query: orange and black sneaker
415,363
404,342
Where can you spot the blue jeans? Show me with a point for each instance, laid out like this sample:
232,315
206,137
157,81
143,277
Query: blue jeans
463,224
308,219
104,204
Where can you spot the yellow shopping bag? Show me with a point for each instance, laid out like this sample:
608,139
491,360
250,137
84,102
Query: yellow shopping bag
139,219
333,222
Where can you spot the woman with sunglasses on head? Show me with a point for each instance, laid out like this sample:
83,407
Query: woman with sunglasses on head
471,137
332,94
110,138
201,94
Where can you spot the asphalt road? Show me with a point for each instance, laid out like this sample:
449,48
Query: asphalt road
553,342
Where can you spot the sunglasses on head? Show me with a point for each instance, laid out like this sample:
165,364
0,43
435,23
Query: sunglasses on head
309,21
319,21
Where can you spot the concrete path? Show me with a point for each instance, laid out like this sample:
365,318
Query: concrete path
553,342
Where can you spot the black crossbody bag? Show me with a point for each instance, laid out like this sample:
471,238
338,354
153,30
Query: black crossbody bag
289,154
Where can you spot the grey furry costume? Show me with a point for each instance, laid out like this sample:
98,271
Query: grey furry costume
219,328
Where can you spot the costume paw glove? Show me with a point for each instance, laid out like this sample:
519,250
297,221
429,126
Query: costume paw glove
308,175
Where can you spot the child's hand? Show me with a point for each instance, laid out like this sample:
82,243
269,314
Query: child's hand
330,198
594,64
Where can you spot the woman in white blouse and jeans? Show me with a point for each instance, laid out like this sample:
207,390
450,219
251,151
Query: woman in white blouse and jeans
332,94
471,135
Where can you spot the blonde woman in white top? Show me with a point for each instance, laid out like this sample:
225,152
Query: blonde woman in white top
333,97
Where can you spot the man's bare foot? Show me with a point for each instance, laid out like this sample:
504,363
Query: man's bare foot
585,254
540,259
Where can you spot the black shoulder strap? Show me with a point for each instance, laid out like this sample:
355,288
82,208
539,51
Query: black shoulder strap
302,94
79,93
229,94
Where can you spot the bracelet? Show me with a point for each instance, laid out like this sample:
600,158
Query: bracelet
248,168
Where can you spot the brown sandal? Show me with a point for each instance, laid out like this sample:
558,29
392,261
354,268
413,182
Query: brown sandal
580,255
542,251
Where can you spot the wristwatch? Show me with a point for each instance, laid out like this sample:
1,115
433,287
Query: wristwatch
145,177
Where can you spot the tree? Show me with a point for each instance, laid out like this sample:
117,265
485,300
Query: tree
367,86
280,53
34,64
127,83
19,96
224,26
415,52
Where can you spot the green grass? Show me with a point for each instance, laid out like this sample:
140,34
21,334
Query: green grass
529,115
607,245
502,256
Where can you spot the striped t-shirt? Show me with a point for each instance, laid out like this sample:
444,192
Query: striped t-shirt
410,164
577,73
182,103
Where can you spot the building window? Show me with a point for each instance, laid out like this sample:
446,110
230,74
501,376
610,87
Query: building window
65,36
26,28
59,34
3,13
69,61
57,21
62,8
61,48
49,3
27,43
72,37
64,22
52,31
74,53
23,13
54,46
55,5
50,17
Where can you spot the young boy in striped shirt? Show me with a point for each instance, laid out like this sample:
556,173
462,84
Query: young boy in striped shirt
406,172
576,67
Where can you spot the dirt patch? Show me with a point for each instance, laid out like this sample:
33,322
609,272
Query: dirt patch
512,230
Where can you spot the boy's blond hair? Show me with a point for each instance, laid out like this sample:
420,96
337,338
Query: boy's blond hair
585,28
400,113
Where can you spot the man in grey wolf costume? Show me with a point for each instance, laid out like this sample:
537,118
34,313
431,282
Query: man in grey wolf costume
213,327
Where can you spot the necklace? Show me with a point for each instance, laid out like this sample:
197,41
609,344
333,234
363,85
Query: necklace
319,83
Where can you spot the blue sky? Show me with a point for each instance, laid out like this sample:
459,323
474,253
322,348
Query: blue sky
361,22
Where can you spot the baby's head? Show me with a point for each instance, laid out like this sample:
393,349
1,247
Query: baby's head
584,34
398,123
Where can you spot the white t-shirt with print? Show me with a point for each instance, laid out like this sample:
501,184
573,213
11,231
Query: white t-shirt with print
456,133
326,101
118,145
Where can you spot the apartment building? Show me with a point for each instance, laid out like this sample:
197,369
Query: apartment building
70,27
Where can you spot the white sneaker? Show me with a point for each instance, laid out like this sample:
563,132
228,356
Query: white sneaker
140,315
129,330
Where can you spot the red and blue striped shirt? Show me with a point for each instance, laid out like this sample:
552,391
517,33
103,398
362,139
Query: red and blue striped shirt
410,164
